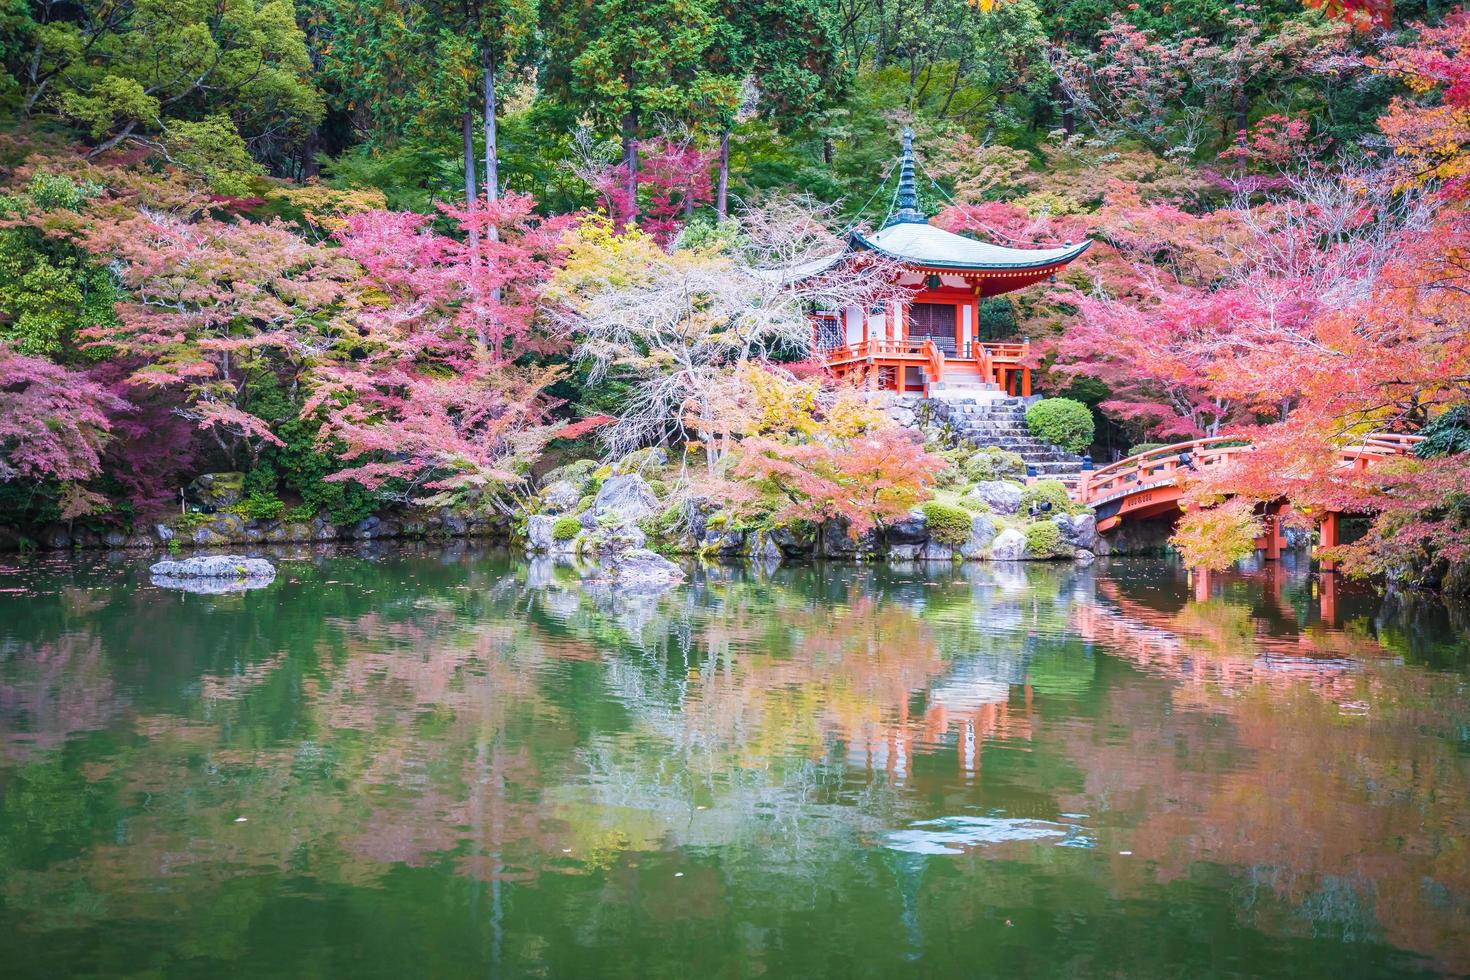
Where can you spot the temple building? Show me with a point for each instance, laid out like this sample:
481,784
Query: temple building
929,344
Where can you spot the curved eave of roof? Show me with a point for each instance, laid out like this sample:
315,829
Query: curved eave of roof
787,275
934,248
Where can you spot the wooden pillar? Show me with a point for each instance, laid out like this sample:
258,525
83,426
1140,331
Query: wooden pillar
900,378
1025,382
1273,537
1331,532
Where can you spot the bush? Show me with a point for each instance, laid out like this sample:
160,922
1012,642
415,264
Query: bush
1061,422
1046,491
260,507
1145,447
566,528
1044,540
947,524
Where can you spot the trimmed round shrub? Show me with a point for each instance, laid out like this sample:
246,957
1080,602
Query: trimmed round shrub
566,528
1061,422
1044,540
947,524
1053,492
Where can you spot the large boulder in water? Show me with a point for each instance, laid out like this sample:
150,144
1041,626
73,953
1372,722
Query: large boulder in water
913,529
539,536
213,573
1078,530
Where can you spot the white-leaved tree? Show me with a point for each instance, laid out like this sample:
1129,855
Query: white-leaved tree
676,323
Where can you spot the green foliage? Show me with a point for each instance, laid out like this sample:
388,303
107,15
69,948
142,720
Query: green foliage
996,319
1145,447
49,288
1447,434
1061,422
947,524
260,508
48,291
213,150
1052,492
301,466
192,78
1044,540
566,528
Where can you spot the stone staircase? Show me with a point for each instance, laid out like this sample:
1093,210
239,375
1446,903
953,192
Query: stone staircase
992,419
961,379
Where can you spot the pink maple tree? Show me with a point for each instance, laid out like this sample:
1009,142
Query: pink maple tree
54,424
430,405
211,304
673,179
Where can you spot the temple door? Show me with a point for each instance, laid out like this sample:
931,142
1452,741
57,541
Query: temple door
936,322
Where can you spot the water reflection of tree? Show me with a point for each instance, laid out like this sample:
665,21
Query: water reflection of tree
508,724
1294,758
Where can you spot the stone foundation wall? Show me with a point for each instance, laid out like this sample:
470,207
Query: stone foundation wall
222,529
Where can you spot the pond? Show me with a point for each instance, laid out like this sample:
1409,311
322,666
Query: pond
444,762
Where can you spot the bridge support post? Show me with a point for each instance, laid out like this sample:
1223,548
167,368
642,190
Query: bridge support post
1330,528
1270,540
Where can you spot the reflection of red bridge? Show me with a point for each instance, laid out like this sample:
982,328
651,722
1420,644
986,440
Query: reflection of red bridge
1149,484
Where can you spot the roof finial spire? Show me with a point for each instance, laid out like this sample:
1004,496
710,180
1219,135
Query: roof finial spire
908,191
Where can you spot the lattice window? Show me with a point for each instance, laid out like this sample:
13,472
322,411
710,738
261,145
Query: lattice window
934,321
829,331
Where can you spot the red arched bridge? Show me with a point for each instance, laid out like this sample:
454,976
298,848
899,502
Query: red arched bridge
1148,485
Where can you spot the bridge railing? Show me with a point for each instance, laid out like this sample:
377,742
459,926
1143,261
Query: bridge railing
1158,466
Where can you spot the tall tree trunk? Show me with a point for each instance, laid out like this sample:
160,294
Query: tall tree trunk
1069,112
492,147
881,54
630,162
467,127
827,150
722,194
492,144
472,199
310,168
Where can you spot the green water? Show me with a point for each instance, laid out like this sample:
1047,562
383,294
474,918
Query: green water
449,763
